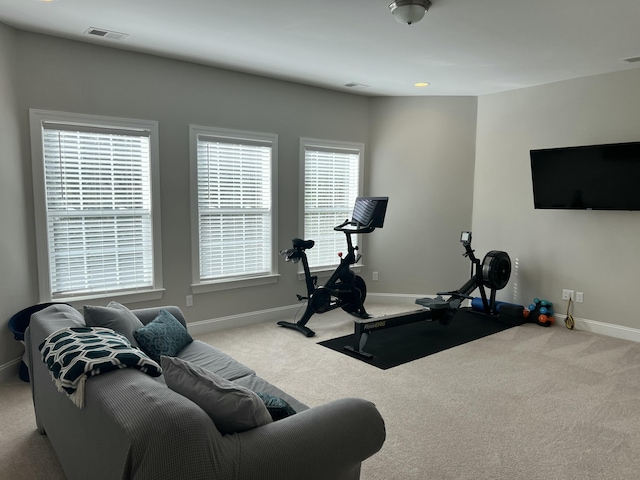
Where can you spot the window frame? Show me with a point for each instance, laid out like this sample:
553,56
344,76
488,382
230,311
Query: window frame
200,285
38,119
305,142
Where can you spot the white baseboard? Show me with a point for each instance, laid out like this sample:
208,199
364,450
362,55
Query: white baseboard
593,326
243,319
9,372
274,314
288,311
608,329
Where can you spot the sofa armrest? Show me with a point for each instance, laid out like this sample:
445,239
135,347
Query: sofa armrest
327,442
147,314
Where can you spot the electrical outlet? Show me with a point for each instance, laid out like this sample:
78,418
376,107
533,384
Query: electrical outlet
375,276
567,294
189,301
579,297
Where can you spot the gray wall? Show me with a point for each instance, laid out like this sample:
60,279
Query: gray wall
421,156
56,74
16,239
448,164
594,252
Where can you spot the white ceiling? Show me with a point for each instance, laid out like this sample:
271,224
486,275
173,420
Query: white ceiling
461,47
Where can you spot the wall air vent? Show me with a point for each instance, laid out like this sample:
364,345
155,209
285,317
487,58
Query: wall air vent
101,32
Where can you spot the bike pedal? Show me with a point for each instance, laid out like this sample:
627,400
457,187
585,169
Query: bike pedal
301,298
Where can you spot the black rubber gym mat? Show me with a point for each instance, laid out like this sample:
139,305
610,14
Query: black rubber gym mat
405,343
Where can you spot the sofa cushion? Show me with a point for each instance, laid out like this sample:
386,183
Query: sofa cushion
163,336
214,360
231,407
114,316
147,315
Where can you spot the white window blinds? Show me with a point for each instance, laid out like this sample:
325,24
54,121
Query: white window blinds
331,185
234,207
98,209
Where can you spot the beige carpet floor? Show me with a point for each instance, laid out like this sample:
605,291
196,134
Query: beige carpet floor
526,403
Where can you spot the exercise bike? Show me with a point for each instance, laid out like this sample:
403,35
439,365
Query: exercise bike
344,289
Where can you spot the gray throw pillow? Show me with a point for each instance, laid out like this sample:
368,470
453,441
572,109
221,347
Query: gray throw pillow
232,408
114,316
164,335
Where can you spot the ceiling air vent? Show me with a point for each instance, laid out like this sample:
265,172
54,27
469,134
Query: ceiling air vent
356,85
101,32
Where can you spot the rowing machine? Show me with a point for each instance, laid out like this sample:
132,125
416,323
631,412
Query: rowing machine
493,273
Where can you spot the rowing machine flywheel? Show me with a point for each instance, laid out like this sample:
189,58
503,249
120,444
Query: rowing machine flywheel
496,269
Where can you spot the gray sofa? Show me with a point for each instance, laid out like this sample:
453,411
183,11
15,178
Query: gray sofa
133,426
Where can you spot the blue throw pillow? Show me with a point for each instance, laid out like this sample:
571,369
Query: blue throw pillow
277,407
164,335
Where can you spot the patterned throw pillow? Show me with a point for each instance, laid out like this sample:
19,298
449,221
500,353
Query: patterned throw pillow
164,335
278,408
74,354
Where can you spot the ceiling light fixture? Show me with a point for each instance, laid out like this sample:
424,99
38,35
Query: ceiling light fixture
421,84
409,11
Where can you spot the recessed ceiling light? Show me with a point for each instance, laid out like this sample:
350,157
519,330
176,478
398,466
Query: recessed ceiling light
421,84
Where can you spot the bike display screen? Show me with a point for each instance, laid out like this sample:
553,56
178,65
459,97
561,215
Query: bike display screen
370,211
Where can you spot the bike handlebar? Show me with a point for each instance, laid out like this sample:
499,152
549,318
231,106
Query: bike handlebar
358,229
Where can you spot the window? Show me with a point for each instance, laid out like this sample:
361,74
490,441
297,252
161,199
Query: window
332,181
233,198
96,196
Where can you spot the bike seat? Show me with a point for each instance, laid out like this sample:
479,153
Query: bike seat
303,244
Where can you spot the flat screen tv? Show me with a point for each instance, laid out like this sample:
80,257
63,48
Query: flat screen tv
594,177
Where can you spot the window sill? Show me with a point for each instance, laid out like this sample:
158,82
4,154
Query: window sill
230,284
